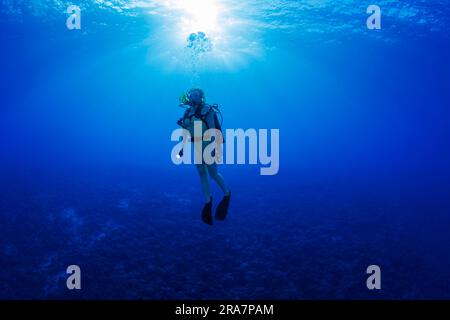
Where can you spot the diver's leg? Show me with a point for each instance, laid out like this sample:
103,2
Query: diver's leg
202,171
222,208
207,209
214,173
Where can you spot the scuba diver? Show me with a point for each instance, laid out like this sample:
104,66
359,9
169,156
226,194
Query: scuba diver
197,110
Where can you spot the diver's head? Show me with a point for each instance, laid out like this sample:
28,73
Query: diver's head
196,96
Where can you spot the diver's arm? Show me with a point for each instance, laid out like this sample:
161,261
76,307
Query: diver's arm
183,141
182,123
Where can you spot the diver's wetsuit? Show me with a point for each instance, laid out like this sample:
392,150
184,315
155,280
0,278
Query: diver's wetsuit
206,115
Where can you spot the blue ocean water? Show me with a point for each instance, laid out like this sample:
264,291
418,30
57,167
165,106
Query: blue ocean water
87,179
